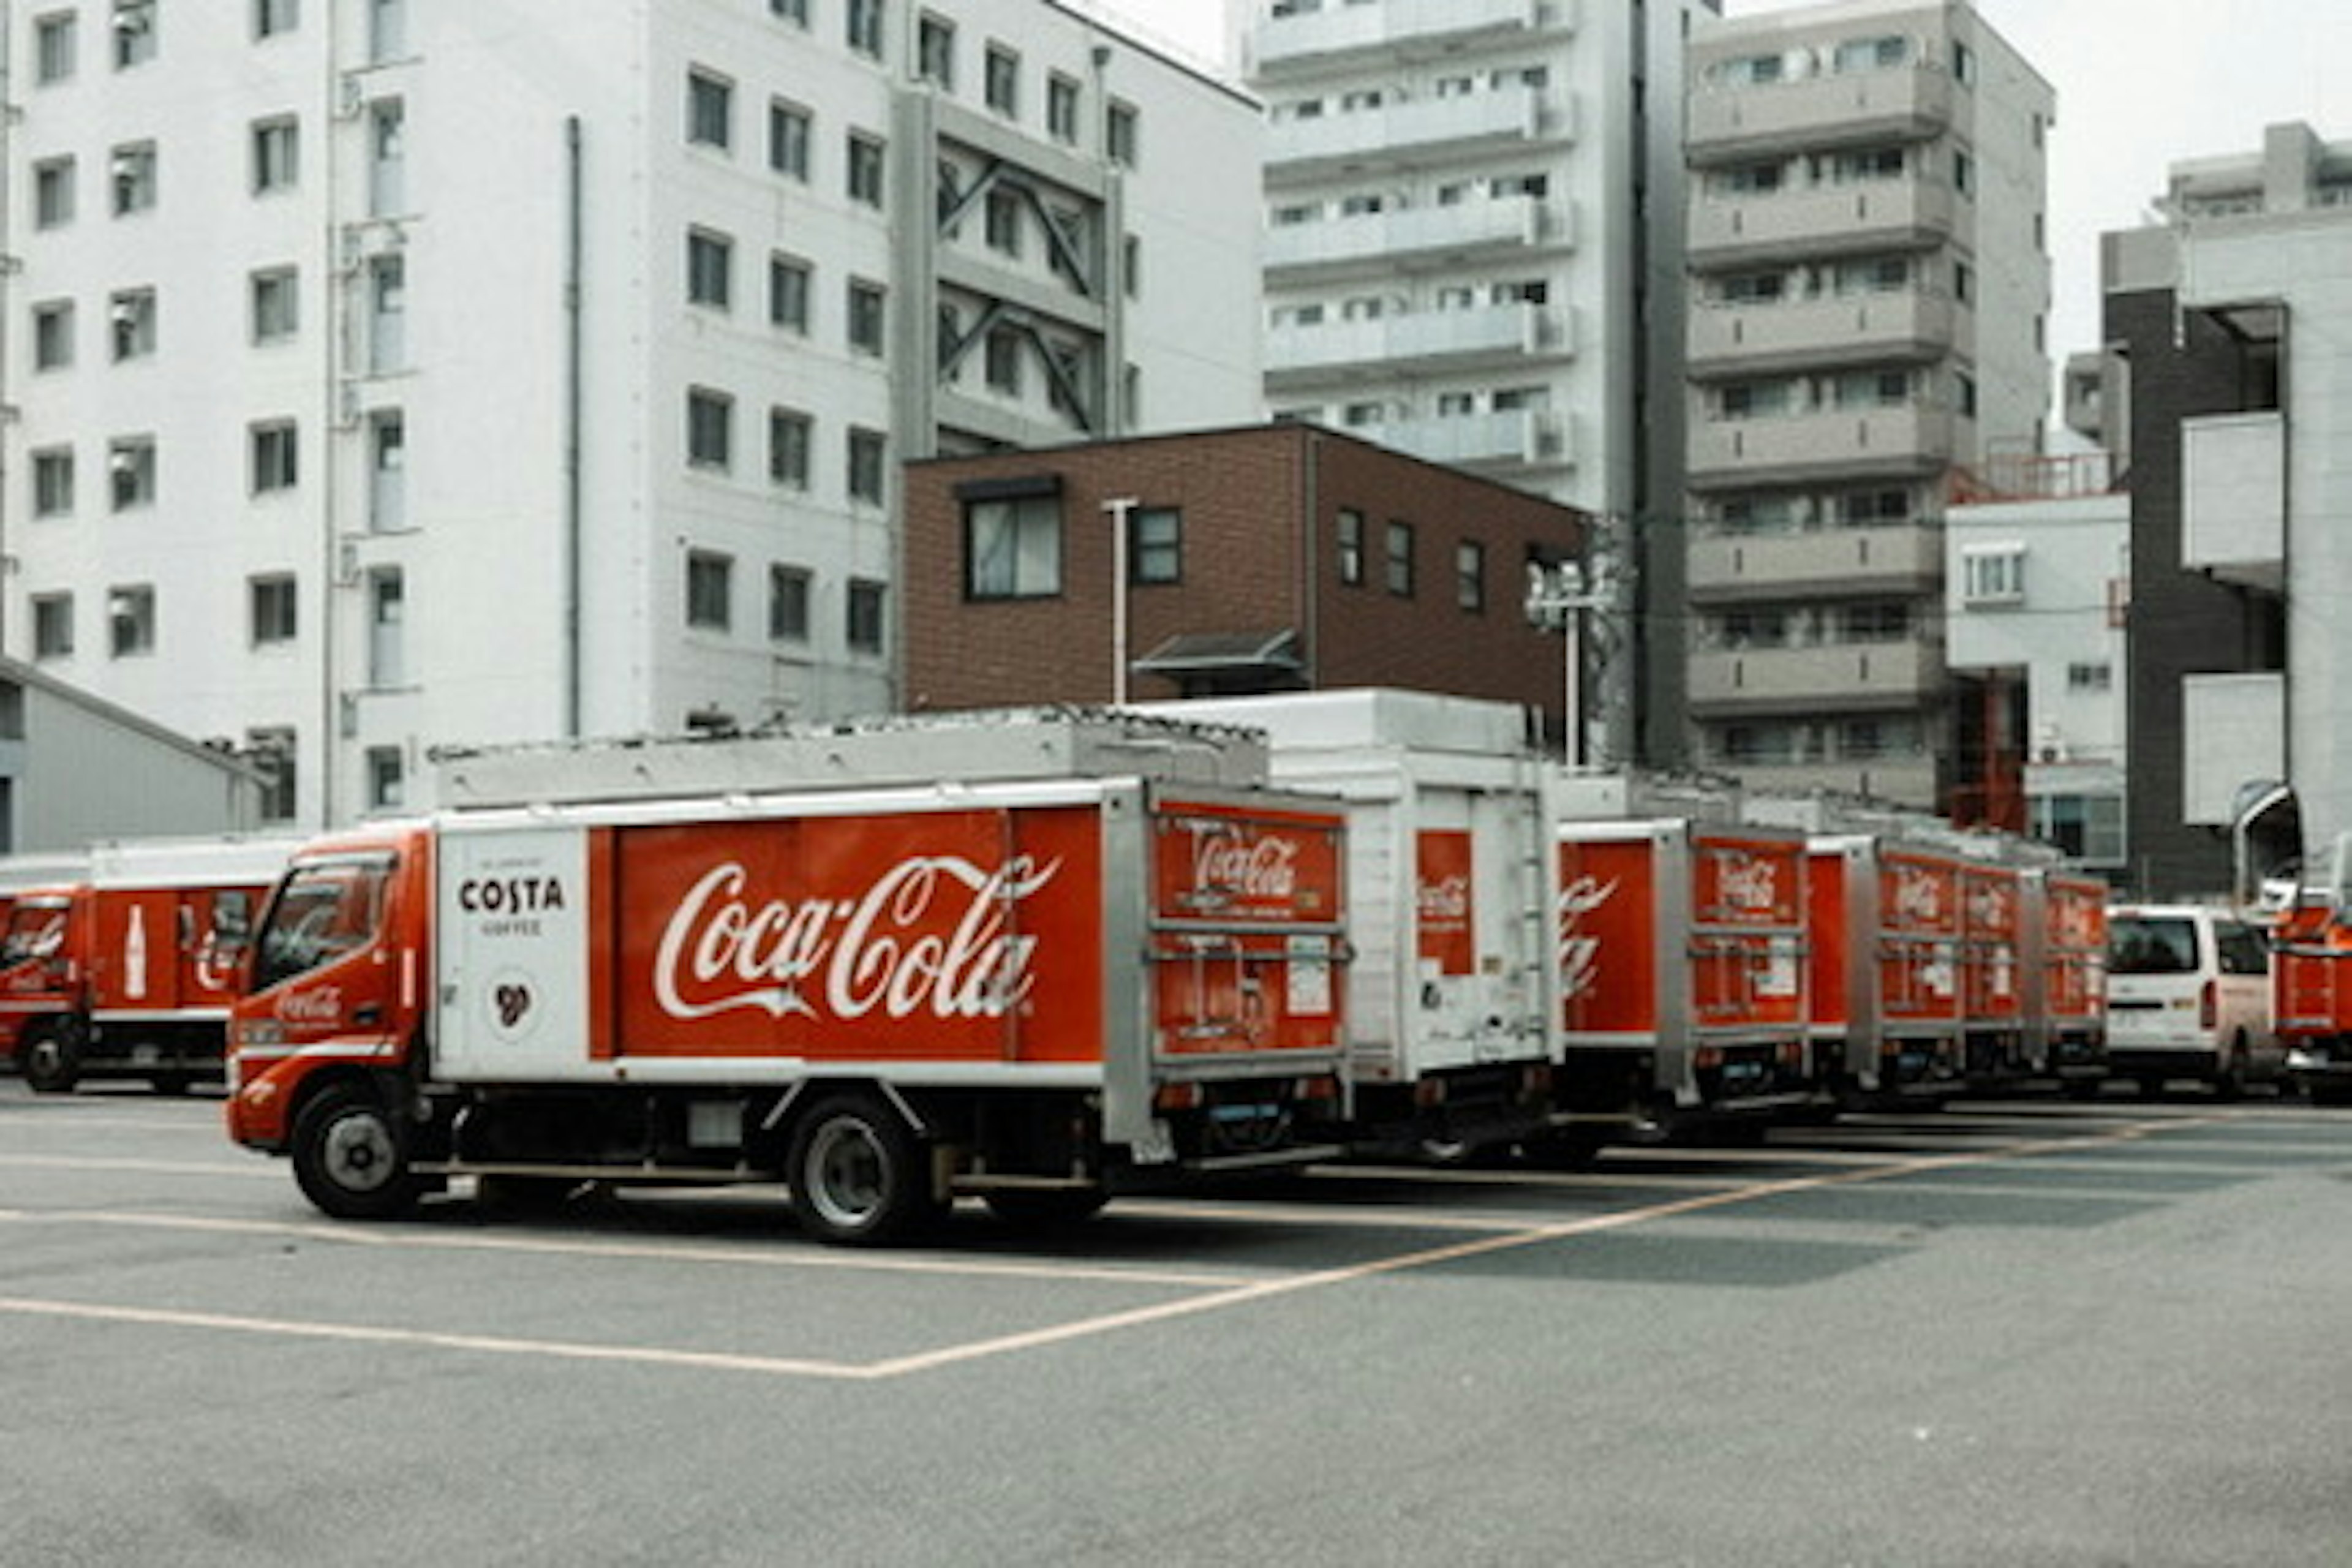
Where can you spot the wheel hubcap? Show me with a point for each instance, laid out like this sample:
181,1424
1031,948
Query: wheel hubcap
845,1174
360,1154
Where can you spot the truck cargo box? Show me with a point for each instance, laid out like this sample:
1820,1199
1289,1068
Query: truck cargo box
1884,937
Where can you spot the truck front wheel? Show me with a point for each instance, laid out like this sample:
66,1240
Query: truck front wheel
857,1172
351,1156
50,1057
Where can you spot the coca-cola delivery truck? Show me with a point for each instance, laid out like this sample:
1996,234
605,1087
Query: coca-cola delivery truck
1682,953
129,971
1993,1022
1448,1045
1885,940
2065,957
1056,978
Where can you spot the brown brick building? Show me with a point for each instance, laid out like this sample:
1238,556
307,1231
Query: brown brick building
1261,558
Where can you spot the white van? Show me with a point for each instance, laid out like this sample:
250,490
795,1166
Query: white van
2188,995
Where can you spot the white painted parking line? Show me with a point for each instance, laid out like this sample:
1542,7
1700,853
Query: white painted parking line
1210,1301
238,1169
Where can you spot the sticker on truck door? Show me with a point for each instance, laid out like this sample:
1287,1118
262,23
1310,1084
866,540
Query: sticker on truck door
512,926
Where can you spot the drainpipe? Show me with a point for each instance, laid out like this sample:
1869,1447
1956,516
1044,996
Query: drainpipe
572,651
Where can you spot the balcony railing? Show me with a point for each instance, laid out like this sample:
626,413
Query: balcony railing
1374,244
1829,443
1521,437
1901,561
1727,124
1897,324
1313,36
1894,674
1411,134
1489,337
1821,220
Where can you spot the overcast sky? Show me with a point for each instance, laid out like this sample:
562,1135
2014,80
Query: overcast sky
2141,84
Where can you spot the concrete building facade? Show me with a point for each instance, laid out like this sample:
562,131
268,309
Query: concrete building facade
1870,281
1474,255
1272,558
2232,321
388,375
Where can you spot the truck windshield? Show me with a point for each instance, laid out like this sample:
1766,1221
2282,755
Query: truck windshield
325,909
34,931
2151,944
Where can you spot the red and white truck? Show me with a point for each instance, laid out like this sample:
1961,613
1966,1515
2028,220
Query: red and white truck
2065,958
1682,951
1449,1043
1993,1020
1072,972
1885,958
129,971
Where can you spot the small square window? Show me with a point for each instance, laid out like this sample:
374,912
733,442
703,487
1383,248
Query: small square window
53,626
277,305
53,482
935,51
1470,576
709,428
864,177
863,30
709,590
1123,133
1349,544
788,604
132,171
273,17
130,472
131,621
54,47
271,752
1012,547
1003,84
135,32
277,154
710,269
132,315
277,464
53,193
1398,556
789,433
790,11
865,603
709,111
53,334
1155,550
1003,221
867,449
788,141
387,778
1062,109
275,609
788,293
866,305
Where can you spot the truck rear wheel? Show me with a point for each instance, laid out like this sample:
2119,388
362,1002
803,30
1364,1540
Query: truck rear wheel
857,1172
351,1156
50,1057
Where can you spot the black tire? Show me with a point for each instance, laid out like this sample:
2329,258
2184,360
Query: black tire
2229,1079
1567,1148
858,1175
2329,1094
50,1056
351,1155
1045,1208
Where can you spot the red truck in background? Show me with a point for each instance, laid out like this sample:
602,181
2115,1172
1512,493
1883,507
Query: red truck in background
1046,983
129,971
1993,1024
2066,962
1886,949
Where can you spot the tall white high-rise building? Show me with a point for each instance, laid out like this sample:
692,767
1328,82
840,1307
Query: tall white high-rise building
1473,254
386,374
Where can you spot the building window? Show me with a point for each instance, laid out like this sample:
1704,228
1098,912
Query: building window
709,590
1122,134
709,111
387,778
796,11
935,51
53,626
131,471
132,314
130,621
387,29
865,464
865,316
1964,171
387,470
53,334
273,17
277,156
788,447
1062,110
865,172
277,305
1003,221
53,193
710,269
1003,84
1155,548
788,293
1964,390
2095,676
54,40
1012,547
864,606
788,141
863,31
709,428
387,314
1397,557
271,752
276,465
53,481
1003,354
387,158
131,168
788,604
275,612
1349,539
2088,827
1470,576
135,32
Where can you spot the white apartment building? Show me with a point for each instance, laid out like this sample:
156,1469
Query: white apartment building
386,374
1473,254
1870,281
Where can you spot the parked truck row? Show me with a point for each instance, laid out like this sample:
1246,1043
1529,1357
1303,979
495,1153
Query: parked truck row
1049,958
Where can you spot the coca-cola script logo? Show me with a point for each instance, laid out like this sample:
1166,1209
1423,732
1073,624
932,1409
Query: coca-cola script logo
1580,952
1989,906
1237,866
929,936
1446,902
1918,896
319,1004
1748,884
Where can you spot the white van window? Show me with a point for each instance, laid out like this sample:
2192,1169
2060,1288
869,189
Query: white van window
2243,951
2151,944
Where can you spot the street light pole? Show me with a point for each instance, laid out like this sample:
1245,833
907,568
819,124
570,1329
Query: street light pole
1558,596
1117,510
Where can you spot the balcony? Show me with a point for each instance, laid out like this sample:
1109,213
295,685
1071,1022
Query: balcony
2234,499
1334,34
1520,438
1419,239
1814,678
1827,443
1489,337
1729,125
1798,334
1901,561
2233,730
1824,220
1412,135
1904,780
